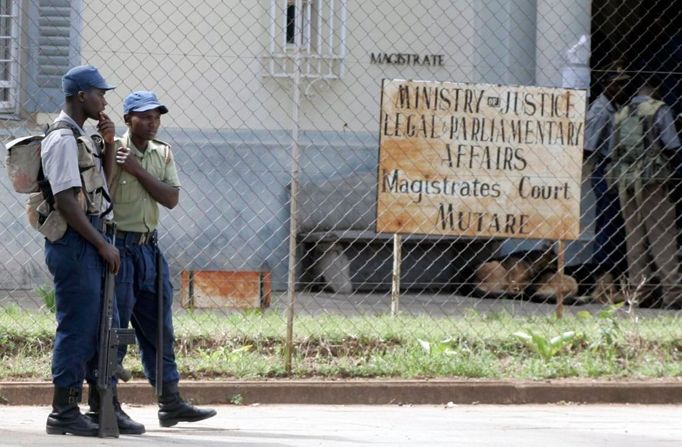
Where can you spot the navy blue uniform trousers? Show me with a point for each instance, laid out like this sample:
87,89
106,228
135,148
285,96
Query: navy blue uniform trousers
137,304
609,242
78,272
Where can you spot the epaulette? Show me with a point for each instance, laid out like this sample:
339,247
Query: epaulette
166,150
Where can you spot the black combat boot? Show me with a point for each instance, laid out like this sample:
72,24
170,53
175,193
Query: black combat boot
173,409
126,426
66,417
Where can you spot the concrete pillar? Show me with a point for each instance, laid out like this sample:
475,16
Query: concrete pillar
505,37
559,25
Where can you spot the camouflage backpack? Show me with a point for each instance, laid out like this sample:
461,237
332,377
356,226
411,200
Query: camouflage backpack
24,169
637,158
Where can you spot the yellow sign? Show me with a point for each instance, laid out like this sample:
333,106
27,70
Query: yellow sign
480,160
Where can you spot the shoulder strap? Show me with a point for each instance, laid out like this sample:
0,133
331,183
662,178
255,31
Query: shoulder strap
650,109
58,125
618,123
43,183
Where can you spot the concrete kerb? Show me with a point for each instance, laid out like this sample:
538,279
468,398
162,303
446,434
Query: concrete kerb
350,392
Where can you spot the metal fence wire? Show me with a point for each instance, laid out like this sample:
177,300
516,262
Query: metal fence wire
274,120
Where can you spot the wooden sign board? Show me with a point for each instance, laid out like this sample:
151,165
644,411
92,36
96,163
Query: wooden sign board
480,160
217,289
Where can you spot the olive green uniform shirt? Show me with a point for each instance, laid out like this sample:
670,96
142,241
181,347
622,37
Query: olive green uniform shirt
134,208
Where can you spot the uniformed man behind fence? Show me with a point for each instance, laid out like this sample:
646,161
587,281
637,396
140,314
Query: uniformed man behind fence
76,248
609,241
641,169
145,176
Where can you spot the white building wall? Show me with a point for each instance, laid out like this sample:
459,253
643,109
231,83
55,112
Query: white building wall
210,66
230,125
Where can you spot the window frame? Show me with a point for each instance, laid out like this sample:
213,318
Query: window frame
9,106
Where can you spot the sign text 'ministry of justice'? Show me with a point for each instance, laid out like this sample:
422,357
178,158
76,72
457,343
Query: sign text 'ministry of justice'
480,160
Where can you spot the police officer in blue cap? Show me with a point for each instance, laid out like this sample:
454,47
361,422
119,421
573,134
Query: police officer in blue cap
609,240
145,176
76,247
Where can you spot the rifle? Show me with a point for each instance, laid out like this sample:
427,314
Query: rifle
159,322
110,338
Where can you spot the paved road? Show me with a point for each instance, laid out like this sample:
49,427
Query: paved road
338,426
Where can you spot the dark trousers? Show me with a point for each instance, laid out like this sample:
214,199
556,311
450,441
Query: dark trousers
609,243
137,304
676,197
78,272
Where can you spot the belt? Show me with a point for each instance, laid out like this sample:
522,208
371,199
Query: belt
137,238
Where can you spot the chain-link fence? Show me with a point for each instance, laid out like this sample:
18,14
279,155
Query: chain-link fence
278,102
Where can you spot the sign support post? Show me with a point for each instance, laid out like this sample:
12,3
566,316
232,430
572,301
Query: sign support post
560,274
395,277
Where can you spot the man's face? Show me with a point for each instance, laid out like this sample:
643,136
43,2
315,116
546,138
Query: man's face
145,124
93,102
617,92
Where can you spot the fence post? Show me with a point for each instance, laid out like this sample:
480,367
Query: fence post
295,167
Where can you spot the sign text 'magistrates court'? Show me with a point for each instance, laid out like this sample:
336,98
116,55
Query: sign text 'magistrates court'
480,160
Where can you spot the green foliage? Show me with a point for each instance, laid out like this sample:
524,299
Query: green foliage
49,297
609,331
224,354
446,347
546,347
246,345
237,399
610,311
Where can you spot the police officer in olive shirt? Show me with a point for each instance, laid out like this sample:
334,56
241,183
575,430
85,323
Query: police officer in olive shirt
143,177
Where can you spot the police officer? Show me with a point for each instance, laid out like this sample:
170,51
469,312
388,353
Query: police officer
609,245
77,259
642,166
145,176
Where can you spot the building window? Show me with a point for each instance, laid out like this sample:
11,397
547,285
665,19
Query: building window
291,22
315,29
9,45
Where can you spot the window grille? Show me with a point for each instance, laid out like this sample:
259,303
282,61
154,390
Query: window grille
321,46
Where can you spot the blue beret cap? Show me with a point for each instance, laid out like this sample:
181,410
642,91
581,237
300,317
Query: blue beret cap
141,102
83,78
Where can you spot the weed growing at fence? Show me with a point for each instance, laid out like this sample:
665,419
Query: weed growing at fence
545,346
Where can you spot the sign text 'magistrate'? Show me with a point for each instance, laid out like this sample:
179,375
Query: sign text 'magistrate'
480,160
